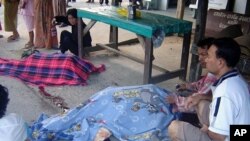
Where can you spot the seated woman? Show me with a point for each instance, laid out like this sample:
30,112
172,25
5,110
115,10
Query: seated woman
12,126
69,41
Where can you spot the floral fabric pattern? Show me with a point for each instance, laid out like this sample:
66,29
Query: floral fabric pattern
134,113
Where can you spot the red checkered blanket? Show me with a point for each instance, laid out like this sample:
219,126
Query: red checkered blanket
49,69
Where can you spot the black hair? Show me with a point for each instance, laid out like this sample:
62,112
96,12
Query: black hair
4,100
228,49
72,12
205,43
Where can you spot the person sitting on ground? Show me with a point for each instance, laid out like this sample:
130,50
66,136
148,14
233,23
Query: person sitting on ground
69,41
231,98
199,90
12,126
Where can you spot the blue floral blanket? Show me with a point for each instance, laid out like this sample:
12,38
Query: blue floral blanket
133,113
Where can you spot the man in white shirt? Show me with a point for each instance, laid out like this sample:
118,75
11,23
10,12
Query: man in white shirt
12,126
231,99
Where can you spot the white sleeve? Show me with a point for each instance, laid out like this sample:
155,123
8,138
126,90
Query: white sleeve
222,115
14,128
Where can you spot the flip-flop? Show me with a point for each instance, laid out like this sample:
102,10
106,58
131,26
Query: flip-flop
28,45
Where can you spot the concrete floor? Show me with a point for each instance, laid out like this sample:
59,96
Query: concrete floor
26,101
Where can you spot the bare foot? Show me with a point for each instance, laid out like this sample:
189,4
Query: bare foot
13,38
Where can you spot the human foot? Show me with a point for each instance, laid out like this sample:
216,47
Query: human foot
13,38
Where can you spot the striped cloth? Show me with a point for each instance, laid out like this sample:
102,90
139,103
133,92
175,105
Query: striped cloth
49,69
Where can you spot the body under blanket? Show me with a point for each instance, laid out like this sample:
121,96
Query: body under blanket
49,69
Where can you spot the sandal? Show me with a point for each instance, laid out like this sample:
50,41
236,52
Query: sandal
13,38
28,45
1,36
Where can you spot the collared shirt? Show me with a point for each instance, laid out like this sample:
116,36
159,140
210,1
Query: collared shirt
230,104
203,85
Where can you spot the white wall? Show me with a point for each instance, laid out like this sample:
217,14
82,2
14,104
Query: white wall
240,6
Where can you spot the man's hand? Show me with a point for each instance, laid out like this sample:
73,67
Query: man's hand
204,128
212,135
192,100
195,98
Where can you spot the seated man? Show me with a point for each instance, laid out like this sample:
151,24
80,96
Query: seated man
231,98
12,126
199,90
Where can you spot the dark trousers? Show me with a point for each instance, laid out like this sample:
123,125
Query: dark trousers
106,1
67,43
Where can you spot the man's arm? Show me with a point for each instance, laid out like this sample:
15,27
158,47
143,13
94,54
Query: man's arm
212,135
194,99
215,136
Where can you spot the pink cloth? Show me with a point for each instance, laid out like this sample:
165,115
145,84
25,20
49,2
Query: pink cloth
28,10
201,86
28,14
29,22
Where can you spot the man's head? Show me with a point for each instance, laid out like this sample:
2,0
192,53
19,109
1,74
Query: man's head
203,46
223,55
4,100
72,16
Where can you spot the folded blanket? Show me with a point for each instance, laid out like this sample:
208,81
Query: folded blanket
49,69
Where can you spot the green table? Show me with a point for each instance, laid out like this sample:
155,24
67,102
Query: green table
144,27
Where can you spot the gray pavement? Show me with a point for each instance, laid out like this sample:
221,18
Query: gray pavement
25,99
